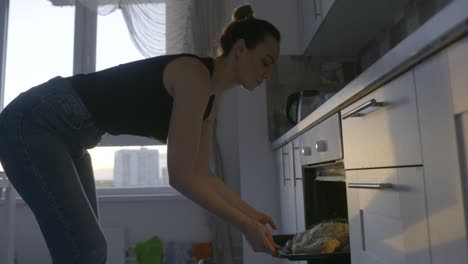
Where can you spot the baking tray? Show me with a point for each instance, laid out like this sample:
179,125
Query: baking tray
334,258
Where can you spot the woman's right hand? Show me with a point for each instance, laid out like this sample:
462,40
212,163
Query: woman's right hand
260,238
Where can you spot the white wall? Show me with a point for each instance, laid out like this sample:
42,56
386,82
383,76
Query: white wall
172,220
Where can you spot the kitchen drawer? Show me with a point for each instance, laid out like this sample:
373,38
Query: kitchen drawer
384,129
387,216
322,143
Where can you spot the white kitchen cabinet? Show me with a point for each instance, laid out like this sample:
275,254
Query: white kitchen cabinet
284,157
442,158
280,177
284,203
289,162
309,21
344,21
387,216
298,187
311,13
462,141
325,6
299,190
381,129
458,68
290,188
458,65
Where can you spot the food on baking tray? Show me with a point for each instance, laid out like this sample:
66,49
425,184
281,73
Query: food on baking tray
324,238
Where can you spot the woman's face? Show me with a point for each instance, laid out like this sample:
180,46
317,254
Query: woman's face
256,65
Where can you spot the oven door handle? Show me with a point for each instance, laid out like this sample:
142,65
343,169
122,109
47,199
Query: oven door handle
378,186
330,178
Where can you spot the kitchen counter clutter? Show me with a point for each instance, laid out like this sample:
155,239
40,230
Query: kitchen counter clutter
403,166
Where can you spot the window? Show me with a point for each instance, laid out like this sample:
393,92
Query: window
130,167
114,45
33,27
136,164
39,45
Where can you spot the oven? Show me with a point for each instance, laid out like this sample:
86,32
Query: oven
319,189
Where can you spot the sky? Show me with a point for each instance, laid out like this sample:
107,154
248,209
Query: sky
40,47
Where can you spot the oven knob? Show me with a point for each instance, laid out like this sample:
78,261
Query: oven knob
306,151
321,146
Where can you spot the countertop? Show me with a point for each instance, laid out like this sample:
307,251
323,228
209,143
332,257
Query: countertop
444,28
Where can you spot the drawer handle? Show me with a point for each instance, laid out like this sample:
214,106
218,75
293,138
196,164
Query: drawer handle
318,8
379,186
363,235
356,111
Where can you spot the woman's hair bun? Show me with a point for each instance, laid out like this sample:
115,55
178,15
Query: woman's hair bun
242,12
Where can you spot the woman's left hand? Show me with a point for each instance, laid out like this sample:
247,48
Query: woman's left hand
264,219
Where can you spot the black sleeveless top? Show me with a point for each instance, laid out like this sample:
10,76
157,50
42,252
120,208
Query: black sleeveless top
131,98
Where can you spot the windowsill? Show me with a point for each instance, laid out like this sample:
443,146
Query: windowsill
130,195
141,198
163,193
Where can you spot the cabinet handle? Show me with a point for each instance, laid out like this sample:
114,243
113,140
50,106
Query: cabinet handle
378,186
318,8
356,111
363,234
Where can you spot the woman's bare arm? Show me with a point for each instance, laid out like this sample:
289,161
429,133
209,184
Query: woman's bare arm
202,164
191,93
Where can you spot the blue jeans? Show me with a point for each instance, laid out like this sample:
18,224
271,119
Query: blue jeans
44,136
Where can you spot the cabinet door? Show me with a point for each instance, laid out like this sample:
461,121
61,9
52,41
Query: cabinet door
280,178
287,161
458,66
309,21
287,195
388,224
441,159
462,140
381,129
312,14
326,6
299,187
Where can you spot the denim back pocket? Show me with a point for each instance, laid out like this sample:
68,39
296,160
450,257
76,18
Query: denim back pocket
5,111
2,116
69,109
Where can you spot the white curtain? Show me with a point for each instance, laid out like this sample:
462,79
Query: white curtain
186,26
152,24
207,20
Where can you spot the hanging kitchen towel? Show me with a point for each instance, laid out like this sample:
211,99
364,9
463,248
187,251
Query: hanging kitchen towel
150,251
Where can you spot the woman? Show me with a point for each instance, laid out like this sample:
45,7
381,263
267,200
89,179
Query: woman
44,134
